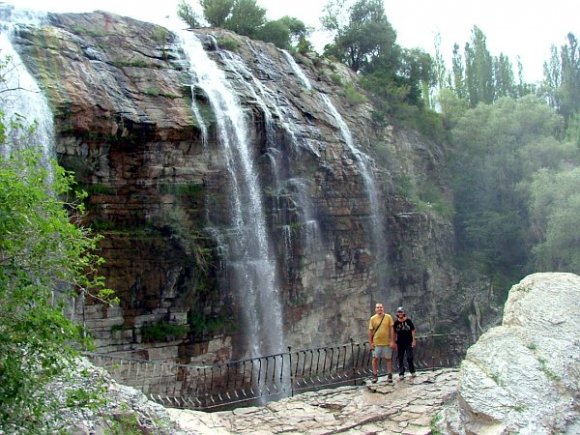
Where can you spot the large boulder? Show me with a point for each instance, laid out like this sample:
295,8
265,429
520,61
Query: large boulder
524,376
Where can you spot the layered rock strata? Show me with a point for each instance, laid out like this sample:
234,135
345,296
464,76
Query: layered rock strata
122,94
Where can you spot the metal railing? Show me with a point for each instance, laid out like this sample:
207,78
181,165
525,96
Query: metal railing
266,378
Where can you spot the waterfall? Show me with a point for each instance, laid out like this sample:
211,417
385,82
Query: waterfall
310,229
297,70
365,164
250,261
23,101
198,118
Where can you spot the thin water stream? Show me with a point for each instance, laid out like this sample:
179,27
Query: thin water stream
365,164
252,265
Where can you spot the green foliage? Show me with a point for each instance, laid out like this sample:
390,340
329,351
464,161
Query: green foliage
216,12
479,70
192,189
124,424
286,32
498,148
187,14
246,18
91,398
228,43
41,252
434,424
562,79
431,124
202,325
163,331
552,376
99,189
181,229
555,216
478,77
361,39
44,260
276,33
336,78
160,34
352,96
452,107
425,195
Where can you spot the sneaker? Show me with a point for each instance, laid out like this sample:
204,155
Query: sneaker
375,379
402,377
413,375
390,378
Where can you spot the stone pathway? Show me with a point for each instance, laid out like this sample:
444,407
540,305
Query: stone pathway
404,407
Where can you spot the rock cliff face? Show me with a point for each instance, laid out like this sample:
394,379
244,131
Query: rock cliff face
523,376
145,142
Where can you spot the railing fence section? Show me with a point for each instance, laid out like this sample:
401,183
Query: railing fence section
266,378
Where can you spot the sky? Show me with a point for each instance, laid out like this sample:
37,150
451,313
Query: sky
523,28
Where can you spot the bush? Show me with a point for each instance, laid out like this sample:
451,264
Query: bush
42,254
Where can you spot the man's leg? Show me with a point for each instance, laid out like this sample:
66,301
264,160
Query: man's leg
401,360
410,360
375,364
389,362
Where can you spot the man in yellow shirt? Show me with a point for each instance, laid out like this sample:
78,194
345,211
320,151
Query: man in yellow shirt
382,341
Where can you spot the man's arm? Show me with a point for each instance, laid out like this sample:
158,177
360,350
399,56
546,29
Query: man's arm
371,334
413,334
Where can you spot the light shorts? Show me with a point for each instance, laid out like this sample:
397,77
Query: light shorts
383,352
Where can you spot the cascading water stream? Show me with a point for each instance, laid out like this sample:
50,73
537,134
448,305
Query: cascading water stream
262,94
21,97
364,163
198,117
252,266
28,118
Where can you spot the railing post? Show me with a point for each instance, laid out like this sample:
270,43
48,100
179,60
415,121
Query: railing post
353,362
290,368
432,352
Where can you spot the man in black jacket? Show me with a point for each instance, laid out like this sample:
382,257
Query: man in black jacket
405,339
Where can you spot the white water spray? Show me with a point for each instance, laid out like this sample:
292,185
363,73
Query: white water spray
253,267
364,163
22,100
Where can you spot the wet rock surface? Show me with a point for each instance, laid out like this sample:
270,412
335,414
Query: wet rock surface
403,407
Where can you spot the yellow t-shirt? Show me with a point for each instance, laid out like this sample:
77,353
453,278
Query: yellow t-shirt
382,336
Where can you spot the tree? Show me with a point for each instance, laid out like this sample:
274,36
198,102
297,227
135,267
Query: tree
187,14
555,215
458,71
570,84
492,145
42,254
415,72
246,18
552,78
366,37
286,32
479,70
217,12
503,77
441,77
